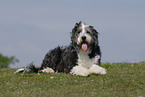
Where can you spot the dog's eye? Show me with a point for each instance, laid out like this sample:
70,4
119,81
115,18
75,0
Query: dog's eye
88,32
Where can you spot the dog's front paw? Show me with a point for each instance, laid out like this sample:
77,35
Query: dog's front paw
97,70
79,70
103,71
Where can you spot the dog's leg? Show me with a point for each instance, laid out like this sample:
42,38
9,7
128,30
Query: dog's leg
97,69
80,70
47,70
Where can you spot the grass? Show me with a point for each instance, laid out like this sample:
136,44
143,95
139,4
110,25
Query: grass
121,80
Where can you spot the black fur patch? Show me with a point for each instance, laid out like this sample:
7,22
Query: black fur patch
60,59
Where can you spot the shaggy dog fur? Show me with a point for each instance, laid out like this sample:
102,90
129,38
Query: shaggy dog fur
82,57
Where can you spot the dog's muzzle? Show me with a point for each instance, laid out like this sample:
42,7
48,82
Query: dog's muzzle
84,44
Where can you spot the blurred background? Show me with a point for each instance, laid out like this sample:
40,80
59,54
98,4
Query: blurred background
30,28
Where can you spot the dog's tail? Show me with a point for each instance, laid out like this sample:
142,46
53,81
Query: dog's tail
29,69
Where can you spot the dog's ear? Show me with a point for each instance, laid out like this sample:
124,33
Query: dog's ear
96,38
95,34
73,30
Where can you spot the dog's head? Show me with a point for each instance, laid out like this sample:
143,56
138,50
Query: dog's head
84,37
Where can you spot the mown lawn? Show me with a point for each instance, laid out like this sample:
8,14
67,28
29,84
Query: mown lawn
121,80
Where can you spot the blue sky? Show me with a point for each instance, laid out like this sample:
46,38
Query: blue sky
30,28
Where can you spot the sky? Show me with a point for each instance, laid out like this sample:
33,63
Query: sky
30,28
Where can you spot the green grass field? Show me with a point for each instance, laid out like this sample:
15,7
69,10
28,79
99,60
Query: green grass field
121,80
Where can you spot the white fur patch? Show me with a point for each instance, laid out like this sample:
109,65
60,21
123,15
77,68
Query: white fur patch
97,58
87,66
97,69
48,70
84,60
20,70
80,70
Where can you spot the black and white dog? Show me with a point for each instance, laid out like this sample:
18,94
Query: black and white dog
82,57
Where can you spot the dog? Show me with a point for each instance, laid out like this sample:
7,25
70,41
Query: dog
82,57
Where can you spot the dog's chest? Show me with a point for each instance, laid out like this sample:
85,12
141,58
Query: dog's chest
84,60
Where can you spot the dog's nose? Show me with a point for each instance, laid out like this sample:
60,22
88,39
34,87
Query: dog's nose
83,37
